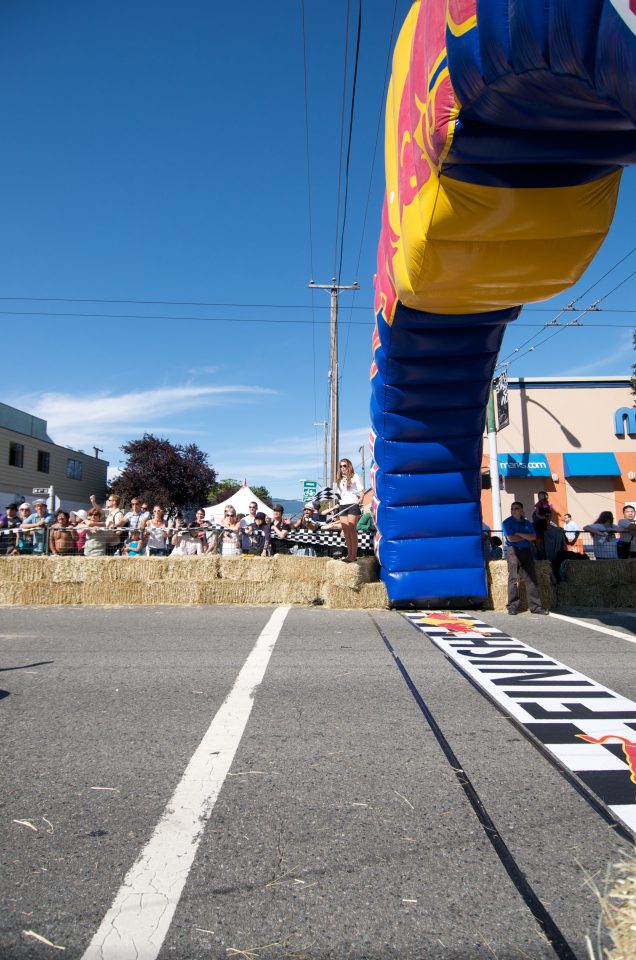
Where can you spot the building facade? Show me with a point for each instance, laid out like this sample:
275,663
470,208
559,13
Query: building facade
29,459
575,438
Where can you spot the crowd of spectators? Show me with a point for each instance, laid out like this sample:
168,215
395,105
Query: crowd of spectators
566,540
112,530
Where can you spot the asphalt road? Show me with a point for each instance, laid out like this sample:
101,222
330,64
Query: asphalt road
341,829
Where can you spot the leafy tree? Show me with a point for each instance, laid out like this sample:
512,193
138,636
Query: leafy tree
174,476
223,489
263,494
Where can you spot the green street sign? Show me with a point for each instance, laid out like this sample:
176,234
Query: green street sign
310,489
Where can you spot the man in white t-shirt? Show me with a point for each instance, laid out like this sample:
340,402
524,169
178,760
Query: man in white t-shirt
571,529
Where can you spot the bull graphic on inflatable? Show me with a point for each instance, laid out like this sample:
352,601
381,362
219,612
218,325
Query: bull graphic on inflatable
508,123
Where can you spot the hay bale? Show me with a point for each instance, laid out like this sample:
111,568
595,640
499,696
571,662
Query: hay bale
599,572
498,580
134,569
191,569
368,596
252,592
619,910
129,592
365,570
498,586
23,569
40,593
290,567
252,569
576,595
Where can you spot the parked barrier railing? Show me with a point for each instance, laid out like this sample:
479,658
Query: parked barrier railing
95,541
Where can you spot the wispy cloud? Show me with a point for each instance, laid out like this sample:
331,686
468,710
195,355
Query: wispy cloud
81,420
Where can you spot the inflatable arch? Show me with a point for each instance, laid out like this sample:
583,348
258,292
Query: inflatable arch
508,123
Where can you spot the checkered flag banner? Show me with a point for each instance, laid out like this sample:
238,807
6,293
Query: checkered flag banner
327,493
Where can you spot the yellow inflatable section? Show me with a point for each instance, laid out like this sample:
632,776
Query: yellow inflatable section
461,247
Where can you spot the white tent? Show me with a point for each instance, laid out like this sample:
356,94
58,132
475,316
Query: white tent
239,501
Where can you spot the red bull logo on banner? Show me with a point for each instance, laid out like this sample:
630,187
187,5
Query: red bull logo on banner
575,719
446,621
629,746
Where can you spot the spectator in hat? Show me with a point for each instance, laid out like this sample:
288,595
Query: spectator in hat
306,521
38,523
24,542
260,536
9,521
78,523
280,530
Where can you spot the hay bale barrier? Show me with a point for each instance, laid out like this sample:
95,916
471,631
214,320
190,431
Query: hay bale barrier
281,579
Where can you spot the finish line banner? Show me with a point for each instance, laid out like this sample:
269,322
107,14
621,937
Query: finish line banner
588,728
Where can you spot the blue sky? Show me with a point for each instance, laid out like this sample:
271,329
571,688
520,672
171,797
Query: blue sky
157,152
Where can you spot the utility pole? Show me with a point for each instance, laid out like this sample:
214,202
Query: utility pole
364,473
495,490
324,424
334,288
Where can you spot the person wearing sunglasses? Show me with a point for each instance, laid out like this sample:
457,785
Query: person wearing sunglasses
351,492
230,542
520,538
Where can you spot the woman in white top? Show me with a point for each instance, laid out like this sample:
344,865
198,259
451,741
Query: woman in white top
230,546
604,532
157,533
351,491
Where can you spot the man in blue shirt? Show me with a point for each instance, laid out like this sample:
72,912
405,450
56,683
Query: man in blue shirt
520,536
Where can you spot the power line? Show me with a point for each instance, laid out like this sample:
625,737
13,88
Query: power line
368,324
311,243
351,115
342,123
572,323
352,307
570,306
267,306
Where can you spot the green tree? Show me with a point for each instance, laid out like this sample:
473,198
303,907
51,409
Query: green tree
223,489
174,476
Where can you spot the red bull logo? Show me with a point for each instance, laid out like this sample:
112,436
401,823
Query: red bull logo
448,622
462,16
385,297
426,104
629,746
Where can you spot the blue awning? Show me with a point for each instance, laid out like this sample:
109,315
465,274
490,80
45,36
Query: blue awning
590,465
523,465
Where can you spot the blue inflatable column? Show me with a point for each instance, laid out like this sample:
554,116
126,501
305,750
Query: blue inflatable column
428,409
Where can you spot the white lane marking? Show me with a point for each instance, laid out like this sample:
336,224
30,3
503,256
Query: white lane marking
593,626
136,924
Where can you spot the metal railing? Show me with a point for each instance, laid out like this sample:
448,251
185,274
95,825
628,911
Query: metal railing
100,541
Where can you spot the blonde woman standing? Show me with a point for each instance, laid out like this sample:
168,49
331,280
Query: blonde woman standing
351,492
230,535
